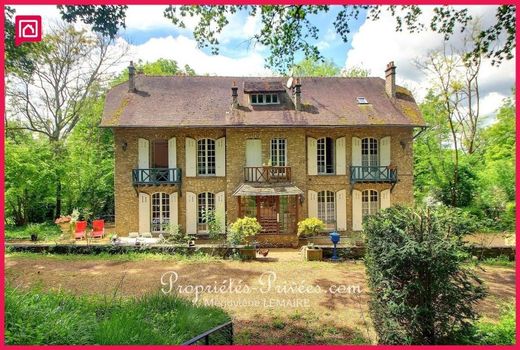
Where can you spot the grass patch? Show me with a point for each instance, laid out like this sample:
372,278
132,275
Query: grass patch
129,256
45,232
501,260
36,317
488,332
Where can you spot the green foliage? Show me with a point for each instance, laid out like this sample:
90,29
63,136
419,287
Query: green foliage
484,332
177,235
49,318
104,19
310,227
501,260
161,67
315,68
241,229
501,333
45,231
215,229
486,178
356,72
421,293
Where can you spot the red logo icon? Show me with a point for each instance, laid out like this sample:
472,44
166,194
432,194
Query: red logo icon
28,29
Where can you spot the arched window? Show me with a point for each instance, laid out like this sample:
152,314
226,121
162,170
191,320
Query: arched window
327,209
206,157
369,152
325,152
370,200
160,212
206,203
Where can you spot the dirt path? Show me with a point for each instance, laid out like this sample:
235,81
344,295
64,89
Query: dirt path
331,307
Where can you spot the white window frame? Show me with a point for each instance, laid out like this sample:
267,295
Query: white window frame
160,204
279,152
321,156
369,152
206,157
205,201
255,99
327,209
370,202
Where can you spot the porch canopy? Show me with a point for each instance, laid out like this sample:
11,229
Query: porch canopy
267,190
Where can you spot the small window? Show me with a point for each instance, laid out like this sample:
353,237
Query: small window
206,157
362,100
370,202
160,154
264,99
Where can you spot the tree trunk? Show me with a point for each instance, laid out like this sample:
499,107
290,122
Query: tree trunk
58,199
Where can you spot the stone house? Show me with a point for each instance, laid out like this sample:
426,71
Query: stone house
278,149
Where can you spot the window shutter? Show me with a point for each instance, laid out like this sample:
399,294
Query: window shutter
143,153
356,151
385,199
172,153
384,155
220,209
174,208
312,203
144,212
341,210
341,168
191,213
220,157
191,151
312,156
357,211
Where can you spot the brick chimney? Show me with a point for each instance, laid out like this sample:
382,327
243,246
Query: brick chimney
297,95
131,77
234,95
390,79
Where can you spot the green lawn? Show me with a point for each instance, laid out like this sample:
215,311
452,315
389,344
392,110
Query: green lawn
45,232
35,317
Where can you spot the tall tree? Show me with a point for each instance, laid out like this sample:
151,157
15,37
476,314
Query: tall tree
316,68
50,100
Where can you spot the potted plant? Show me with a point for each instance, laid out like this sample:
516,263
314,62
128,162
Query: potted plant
238,234
309,228
64,222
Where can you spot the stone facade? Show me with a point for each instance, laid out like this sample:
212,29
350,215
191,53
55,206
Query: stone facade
126,196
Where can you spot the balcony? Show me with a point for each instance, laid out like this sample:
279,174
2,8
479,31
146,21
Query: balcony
268,174
371,174
156,176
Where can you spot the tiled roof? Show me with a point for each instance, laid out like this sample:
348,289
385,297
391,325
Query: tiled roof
203,101
263,86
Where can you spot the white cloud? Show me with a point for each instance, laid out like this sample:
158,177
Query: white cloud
377,43
184,50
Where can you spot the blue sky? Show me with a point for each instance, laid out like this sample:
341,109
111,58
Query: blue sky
330,44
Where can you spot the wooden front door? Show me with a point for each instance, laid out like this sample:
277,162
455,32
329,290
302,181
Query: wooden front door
267,208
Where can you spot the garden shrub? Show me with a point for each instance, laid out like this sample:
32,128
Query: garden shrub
421,291
310,227
241,229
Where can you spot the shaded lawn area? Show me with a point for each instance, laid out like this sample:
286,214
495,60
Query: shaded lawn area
45,232
57,317
274,319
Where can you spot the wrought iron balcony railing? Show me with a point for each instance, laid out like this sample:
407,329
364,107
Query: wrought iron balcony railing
267,174
156,176
373,174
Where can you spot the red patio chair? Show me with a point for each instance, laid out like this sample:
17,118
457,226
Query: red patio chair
81,229
98,229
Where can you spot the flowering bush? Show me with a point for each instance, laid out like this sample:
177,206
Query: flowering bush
310,227
241,229
63,219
